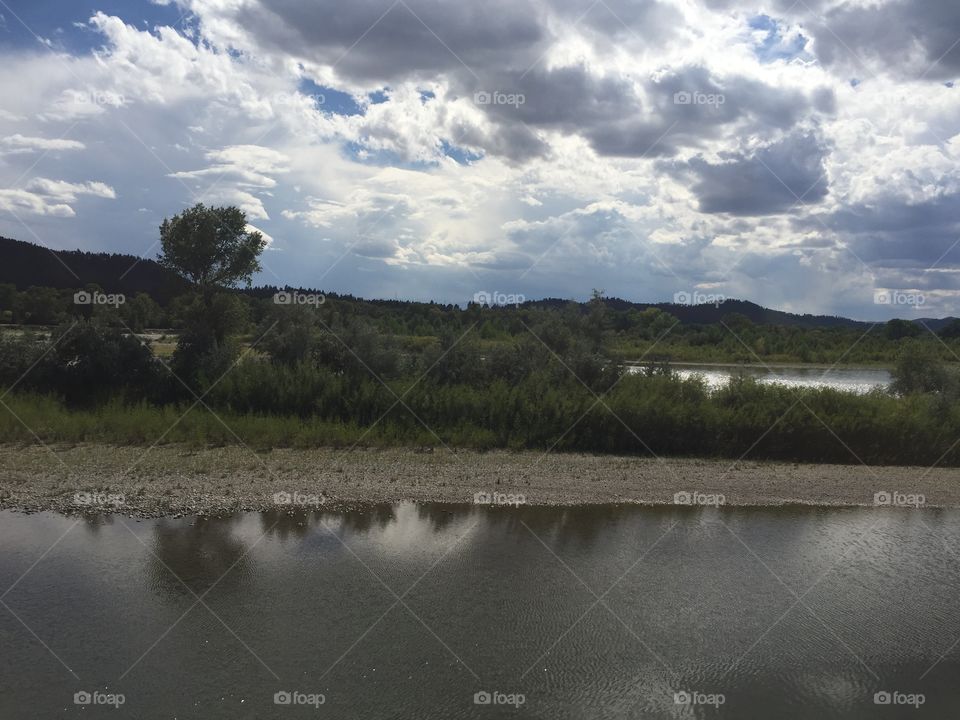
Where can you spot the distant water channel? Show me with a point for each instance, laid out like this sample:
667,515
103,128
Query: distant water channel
437,611
851,379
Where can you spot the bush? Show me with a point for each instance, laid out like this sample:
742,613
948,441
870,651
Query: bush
920,370
89,362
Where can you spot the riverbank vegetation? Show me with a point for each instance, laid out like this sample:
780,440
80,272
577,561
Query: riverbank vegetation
303,370
619,333
640,414
304,384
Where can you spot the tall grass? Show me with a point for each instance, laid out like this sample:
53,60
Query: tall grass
664,415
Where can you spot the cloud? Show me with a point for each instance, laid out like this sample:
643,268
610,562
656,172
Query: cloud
22,144
650,146
692,106
236,173
508,49
266,236
777,178
42,196
68,191
371,45
22,201
908,39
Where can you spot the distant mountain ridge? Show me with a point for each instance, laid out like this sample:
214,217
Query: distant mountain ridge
935,324
24,264
710,314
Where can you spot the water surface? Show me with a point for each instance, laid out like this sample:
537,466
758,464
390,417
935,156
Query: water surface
408,611
850,379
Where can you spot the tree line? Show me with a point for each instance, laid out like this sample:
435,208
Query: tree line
340,370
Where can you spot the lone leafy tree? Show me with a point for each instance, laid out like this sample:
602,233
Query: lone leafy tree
211,247
213,250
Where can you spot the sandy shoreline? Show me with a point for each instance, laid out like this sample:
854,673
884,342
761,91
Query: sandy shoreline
175,480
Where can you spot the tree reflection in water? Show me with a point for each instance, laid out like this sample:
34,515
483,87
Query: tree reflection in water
199,554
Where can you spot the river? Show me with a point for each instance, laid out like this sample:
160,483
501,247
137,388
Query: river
429,611
851,379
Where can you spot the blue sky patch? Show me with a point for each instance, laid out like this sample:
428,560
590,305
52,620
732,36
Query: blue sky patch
461,155
774,46
64,22
329,100
386,158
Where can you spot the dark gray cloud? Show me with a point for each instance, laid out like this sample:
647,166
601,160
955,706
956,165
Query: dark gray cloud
912,39
416,38
372,42
649,22
564,98
900,242
656,117
516,142
893,232
690,107
375,248
666,123
895,215
499,47
785,175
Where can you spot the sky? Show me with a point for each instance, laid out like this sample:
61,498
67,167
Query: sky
799,154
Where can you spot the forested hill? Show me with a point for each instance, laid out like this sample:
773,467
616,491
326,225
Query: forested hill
709,314
25,264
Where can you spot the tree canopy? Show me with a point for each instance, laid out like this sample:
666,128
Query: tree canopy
211,247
